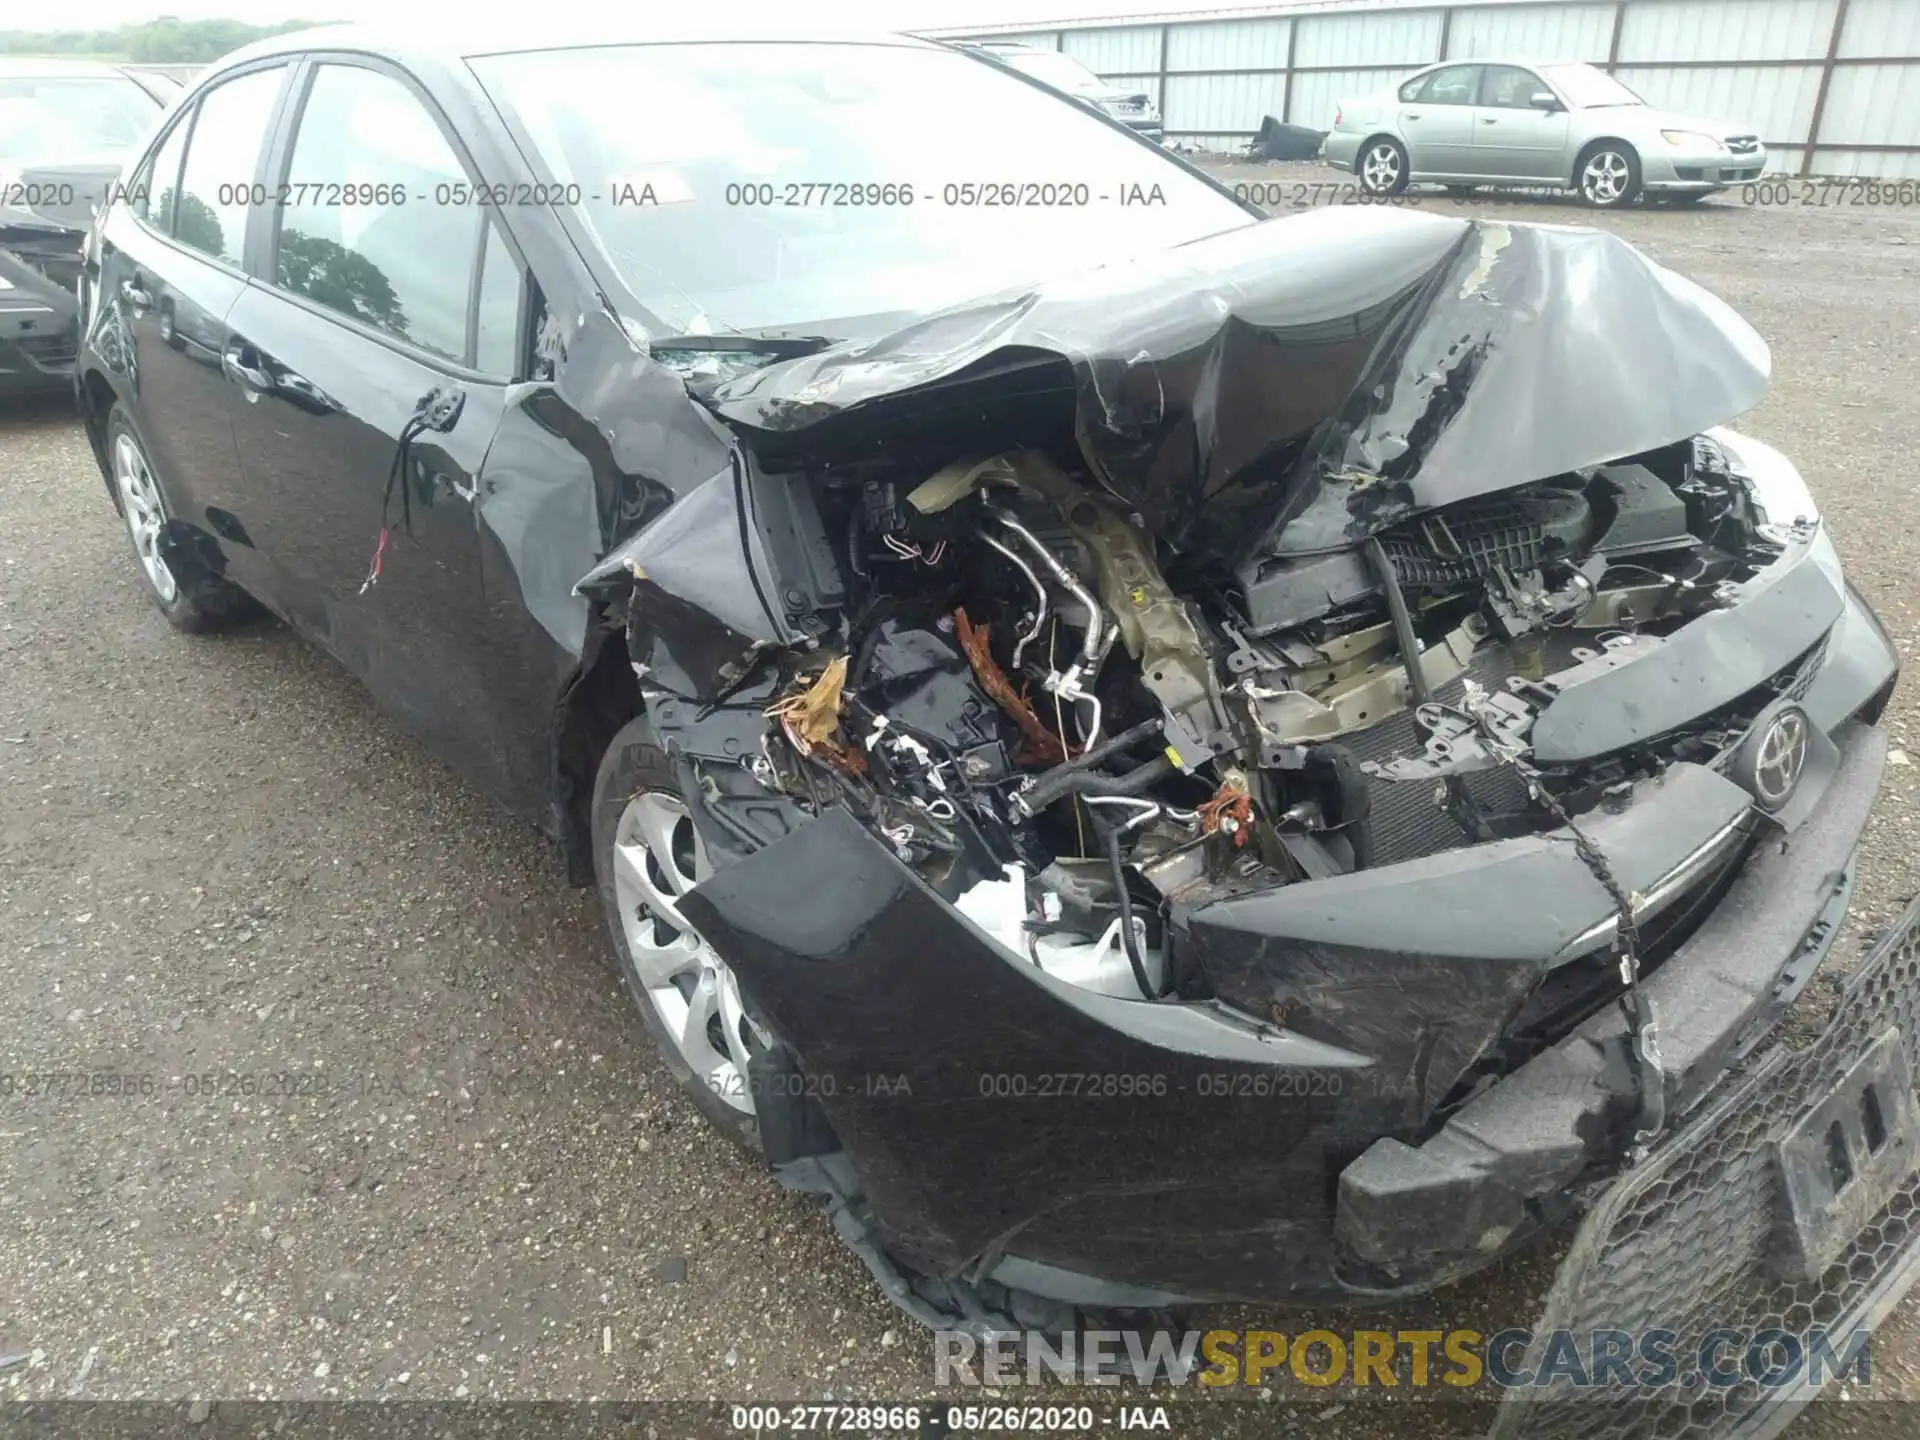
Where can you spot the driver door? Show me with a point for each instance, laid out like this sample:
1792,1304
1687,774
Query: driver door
1513,140
1436,120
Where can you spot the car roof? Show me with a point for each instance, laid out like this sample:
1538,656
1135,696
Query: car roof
56,67
404,40
1525,62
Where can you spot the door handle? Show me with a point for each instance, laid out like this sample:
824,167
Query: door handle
1411,115
136,297
1489,119
249,377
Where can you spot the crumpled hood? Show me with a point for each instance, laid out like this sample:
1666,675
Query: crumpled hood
1299,384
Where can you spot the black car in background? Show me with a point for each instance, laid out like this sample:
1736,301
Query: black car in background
65,126
1146,754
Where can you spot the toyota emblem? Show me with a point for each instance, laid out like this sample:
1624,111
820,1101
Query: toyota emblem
1779,757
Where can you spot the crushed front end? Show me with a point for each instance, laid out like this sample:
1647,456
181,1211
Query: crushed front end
1266,773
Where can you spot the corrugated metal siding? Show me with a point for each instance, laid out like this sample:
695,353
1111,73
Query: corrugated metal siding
1386,39
1563,32
1132,51
1776,101
1717,30
1881,27
1229,45
1315,95
1341,50
1234,104
1872,105
1865,162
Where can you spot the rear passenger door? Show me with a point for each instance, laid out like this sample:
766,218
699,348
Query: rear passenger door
370,297
172,264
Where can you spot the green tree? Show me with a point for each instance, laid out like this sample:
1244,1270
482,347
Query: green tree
167,40
339,278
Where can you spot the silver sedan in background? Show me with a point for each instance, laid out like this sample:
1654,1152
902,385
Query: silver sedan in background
1464,123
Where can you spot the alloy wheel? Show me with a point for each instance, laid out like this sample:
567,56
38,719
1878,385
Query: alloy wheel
657,858
1606,176
1380,170
146,517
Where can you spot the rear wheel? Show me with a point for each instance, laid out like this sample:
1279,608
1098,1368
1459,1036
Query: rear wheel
1383,168
647,856
192,597
1608,175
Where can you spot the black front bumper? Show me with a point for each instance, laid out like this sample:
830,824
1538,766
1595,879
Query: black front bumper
1007,1126
1420,1214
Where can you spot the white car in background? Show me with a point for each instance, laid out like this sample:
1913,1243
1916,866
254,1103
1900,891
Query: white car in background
1464,123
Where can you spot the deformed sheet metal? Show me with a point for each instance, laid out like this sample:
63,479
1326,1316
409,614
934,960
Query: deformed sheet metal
1323,375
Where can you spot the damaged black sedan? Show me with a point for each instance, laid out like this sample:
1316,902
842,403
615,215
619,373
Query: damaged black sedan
1149,755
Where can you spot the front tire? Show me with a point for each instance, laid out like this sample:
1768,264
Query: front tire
1608,175
193,598
1383,167
646,855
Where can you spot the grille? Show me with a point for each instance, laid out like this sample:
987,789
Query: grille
1406,823
1686,1242
1743,144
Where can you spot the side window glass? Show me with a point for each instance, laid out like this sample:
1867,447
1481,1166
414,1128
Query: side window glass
1508,87
497,309
151,196
231,125
364,231
1451,86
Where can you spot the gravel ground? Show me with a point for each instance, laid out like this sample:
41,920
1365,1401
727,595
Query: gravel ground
455,1170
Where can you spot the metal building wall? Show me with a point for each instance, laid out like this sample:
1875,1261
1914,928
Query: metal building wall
1833,86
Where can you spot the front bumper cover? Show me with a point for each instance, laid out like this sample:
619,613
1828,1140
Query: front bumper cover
1420,1214
997,1117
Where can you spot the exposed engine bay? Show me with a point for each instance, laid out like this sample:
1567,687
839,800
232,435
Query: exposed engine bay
1065,729
1333,650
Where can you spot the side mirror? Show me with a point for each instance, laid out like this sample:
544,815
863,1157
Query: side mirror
1544,100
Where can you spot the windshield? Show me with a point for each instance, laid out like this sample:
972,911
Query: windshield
70,120
1050,67
764,187
1585,87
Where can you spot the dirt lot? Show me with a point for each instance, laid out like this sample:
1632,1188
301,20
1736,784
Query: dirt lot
217,858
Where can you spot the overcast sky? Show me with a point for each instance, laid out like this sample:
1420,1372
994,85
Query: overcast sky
880,14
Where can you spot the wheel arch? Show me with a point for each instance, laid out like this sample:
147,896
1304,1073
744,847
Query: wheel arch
1374,137
599,698
1580,157
97,399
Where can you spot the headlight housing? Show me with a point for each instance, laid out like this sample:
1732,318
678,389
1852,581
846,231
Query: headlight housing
1691,142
